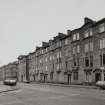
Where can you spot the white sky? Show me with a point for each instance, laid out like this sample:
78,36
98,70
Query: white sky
24,24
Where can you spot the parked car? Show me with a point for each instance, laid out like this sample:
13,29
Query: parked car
26,81
101,84
10,82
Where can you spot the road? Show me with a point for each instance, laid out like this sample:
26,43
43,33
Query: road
36,94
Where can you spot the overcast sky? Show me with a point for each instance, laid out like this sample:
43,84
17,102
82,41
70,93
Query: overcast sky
24,24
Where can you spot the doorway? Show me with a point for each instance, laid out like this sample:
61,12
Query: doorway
97,77
69,79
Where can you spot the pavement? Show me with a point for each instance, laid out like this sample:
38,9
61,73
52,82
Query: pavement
64,85
6,88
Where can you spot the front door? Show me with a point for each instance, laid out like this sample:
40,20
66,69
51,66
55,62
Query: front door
69,79
97,77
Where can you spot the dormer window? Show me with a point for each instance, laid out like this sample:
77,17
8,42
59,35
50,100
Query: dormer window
86,34
101,27
76,37
59,44
66,41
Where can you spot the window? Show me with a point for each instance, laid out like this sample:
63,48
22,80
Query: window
74,50
66,63
91,32
102,43
42,51
86,47
53,57
75,75
58,66
86,61
51,75
40,61
74,37
50,57
46,68
66,53
91,61
46,49
46,59
66,41
58,44
78,49
102,27
103,59
59,54
75,63
86,34
91,46
77,36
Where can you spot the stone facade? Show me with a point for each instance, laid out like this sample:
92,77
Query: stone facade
23,70
9,71
74,58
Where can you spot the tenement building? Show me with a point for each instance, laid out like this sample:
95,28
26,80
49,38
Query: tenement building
9,71
74,58
23,68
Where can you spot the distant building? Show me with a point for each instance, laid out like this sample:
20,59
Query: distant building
23,68
9,71
2,73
